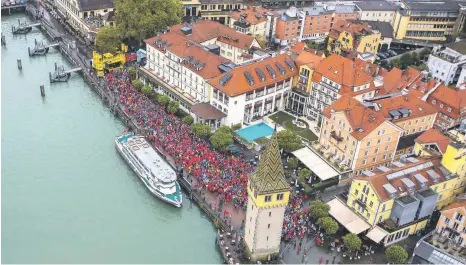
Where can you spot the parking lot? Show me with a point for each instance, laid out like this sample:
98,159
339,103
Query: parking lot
396,52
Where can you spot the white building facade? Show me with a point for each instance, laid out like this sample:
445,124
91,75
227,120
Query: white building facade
244,101
376,11
446,65
180,72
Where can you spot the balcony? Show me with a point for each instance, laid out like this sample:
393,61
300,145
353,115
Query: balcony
390,226
334,135
223,12
344,170
242,24
172,88
449,58
361,203
449,243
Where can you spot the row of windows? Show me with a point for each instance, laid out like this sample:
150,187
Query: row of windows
420,129
374,159
220,7
398,235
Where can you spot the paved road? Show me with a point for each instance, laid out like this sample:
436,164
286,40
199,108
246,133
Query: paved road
399,55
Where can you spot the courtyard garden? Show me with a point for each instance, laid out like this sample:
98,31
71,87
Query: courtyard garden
286,121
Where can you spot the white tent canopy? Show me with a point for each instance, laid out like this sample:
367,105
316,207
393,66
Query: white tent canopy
316,164
347,217
376,234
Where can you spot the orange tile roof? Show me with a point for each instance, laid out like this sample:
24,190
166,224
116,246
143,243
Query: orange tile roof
454,98
380,178
183,48
298,47
352,27
433,136
238,84
204,30
368,67
255,15
341,70
397,79
419,85
362,120
410,101
310,59
454,205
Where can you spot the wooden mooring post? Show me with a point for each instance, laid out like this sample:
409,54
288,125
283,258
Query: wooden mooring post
3,40
42,91
20,65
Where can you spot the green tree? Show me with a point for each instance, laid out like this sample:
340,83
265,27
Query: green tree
163,100
288,141
319,209
201,129
292,163
406,60
236,127
173,106
385,64
132,72
421,67
142,19
415,57
352,242
221,139
224,129
396,63
328,224
138,84
424,53
146,90
304,172
312,45
188,119
108,39
396,254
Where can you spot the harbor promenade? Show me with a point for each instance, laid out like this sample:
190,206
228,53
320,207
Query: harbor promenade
225,216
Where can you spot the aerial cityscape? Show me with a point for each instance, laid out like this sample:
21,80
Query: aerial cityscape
233,131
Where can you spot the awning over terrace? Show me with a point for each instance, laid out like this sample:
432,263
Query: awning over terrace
315,163
346,217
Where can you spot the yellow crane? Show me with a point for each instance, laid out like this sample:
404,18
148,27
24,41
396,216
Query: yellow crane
109,61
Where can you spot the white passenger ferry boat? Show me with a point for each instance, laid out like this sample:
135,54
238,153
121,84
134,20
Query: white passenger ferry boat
153,170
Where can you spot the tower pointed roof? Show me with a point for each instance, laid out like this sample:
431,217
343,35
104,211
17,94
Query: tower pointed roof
269,176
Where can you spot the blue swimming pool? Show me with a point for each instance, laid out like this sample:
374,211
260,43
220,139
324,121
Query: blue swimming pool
255,131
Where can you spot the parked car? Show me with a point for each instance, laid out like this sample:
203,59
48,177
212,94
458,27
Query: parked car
382,56
392,53
377,58
386,54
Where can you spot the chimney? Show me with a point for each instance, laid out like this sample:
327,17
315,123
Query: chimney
368,68
377,70
254,8
315,52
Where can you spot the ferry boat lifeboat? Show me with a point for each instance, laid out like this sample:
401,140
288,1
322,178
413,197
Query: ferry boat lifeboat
152,169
